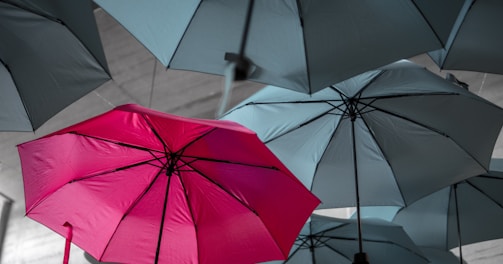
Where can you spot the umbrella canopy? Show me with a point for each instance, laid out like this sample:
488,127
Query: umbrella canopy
300,45
464,213
50,56
332,240
413,134
475,41
140,186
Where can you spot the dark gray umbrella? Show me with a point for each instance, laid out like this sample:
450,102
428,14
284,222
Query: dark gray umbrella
50,56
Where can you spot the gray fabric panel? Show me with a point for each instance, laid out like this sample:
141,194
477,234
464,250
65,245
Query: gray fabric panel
425,220
12,113
157,24
49,66
302,149
477,45
480,218
334,181
422,160
275,41
358,25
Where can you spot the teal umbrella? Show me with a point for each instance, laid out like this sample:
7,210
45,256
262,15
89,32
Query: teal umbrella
50,56
333,240
385,137
475,41
302,45
466,212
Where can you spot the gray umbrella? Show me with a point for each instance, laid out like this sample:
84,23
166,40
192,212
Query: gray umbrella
386,137
50,56
303,45
332,240
475,41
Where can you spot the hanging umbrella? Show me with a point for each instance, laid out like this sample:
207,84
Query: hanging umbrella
385,137
467,212
50,56
333,240
475,41
138,186
300,45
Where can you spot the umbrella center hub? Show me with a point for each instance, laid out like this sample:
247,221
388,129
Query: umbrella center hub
170,168
352,108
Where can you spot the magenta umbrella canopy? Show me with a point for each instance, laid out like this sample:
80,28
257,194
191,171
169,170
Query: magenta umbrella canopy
141,186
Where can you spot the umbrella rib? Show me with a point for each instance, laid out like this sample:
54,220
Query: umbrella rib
130,208
385,159
190,209
156,133
374,241
304,242
61,22
299,126
483,193
183,35
220,187
306,55
429,128
427,21
116,142
197,158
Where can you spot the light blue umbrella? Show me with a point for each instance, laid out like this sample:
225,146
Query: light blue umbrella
385,137
333,240
303,45
475,40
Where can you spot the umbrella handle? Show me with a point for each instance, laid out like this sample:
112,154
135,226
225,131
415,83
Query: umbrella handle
68,242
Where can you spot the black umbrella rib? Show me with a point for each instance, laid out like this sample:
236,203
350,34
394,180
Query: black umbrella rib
197,158
114,170
220,187
130,208
183,35
299,126
429,128
185,192
374,241
117,143
483,193
387,159
166,148
34,11
335,250
61,22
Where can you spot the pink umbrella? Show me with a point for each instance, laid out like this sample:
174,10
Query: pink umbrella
139,186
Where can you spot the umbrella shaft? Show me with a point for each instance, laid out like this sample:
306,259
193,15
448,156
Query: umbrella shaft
357,189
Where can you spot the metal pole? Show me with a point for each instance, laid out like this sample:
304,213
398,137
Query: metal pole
458,223
4,219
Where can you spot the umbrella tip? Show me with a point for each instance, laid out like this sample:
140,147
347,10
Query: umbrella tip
361,258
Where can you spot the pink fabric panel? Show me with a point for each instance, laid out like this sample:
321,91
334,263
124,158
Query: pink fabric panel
282,204
118,126
94,207
49,163
232,145
136,238
227,231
